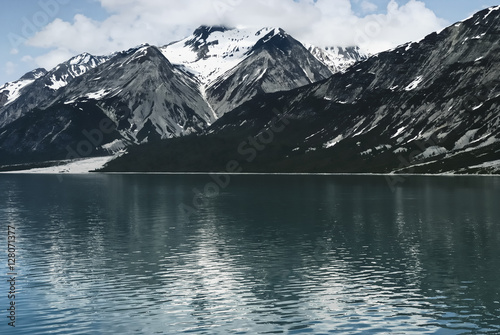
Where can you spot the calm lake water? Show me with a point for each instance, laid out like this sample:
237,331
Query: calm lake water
118,254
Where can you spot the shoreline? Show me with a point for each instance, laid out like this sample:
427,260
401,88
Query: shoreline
92,165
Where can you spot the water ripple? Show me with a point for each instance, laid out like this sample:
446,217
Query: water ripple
100,255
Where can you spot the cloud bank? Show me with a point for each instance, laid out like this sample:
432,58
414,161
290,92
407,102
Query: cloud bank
158,22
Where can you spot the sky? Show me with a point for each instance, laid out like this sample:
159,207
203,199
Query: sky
44,33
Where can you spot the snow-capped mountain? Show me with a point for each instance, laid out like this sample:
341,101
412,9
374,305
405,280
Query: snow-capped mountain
234,65
426,107
75,67
153,92
338,59
277,62
39,88
212,51
138,93
149,93
11,91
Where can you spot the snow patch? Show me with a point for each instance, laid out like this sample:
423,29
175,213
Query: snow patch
492,9
316,133
367,152
63,130
480,142
226,49
465,140
414,84
331,143
478,106
57,83
261,75
97,95
400,150
431,152
399,131
337,59
14,89
69,102
83,58
492,164
114,146
383,146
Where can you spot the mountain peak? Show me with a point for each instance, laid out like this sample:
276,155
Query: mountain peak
338,59
35,74
489,10
9,92
482,15
147,52
81,59
265,34
275,35
203,32
213,50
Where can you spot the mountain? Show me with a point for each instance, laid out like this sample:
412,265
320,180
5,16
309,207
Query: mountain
157,97
426,107
10,92
234,65
212,51
338,59
277,62
147,93
39,88
138,94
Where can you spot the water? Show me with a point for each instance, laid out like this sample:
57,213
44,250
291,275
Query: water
117,254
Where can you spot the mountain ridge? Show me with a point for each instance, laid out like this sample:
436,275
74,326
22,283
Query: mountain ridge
216,96
426,107
146,92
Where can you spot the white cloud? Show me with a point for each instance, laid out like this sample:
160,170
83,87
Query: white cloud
376,32
158,22
54,57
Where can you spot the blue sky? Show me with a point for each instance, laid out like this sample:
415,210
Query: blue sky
43,33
